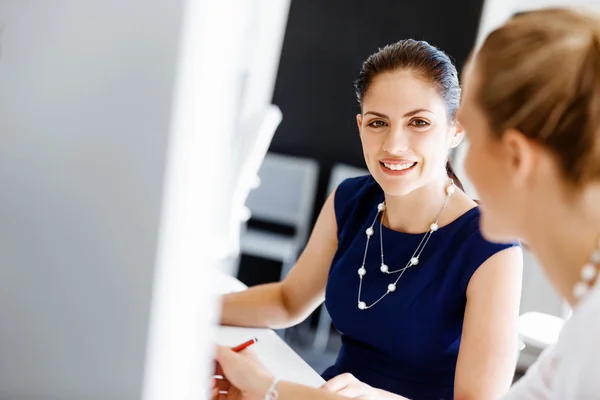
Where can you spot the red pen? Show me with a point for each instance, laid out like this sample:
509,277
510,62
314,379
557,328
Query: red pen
244,345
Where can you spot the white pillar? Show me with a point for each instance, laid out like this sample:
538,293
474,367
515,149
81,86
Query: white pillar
196,208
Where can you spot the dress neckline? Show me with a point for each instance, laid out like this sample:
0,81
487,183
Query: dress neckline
446,227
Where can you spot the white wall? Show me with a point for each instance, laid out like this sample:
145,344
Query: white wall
538,294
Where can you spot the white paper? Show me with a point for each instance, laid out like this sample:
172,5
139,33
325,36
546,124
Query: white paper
273,352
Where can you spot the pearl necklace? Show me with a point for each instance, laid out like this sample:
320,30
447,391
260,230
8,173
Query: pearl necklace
587,275
414,260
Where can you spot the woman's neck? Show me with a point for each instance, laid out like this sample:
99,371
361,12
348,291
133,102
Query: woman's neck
414,212
564,240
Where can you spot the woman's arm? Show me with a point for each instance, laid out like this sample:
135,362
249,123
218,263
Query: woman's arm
294,391
286,303
489,344
347,385
245,377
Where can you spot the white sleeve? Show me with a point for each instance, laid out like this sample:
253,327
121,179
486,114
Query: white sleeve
537,382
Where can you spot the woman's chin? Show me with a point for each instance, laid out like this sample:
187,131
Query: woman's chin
396,188
397,185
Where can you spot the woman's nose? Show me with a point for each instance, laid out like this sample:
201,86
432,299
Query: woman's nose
397,142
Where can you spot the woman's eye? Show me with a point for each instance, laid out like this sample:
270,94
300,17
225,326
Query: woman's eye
419,123
377,124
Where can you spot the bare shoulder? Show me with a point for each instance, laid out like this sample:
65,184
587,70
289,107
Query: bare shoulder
501,270
458,206
464,201
326,222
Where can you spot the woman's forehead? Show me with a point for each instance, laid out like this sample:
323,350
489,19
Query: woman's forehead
400,92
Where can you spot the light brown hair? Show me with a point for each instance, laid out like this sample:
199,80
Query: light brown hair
540,74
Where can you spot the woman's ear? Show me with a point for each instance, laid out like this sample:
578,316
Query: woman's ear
521,155
457,135
359,119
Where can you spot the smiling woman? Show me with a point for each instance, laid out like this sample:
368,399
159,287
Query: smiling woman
422,300
427,248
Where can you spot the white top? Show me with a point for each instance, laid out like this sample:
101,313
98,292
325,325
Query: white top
571,369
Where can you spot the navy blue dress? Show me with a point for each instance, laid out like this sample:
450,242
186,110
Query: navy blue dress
407,343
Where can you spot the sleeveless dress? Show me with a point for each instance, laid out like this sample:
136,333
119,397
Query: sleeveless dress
407,343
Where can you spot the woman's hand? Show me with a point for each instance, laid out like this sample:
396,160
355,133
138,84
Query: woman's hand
347,385
244,377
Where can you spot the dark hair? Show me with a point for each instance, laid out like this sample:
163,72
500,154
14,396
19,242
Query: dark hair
557,107
427,62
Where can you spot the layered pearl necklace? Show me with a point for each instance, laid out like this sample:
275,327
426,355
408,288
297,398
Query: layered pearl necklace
587,275
414,259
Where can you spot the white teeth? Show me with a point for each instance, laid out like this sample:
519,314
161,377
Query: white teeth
398,167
